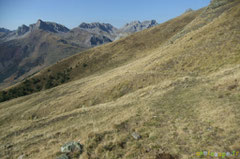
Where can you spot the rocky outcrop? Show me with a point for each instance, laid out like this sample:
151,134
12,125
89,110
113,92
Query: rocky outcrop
98,40
71,150
217,3
135,26
71,147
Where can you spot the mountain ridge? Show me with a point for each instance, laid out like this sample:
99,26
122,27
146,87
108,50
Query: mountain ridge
54,36
59,28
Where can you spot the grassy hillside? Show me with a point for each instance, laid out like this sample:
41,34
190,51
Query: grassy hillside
101,59
177,85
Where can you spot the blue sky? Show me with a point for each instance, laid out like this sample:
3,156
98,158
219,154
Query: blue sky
71,13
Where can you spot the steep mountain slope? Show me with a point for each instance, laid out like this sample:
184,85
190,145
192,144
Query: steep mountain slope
31,48
99,59
22,57
176,84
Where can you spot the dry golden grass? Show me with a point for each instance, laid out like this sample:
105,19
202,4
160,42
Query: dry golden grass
180,92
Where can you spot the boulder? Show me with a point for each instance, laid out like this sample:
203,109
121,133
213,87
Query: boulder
21,157
136,136
72,147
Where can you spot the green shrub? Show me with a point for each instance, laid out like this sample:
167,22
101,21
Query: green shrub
49,84
85,65
34,85
36,80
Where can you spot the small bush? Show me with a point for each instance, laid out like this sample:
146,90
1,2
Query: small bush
36,80
85,65
49,84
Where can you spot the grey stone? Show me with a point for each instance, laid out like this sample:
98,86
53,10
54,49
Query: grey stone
136,136
71,147
21,157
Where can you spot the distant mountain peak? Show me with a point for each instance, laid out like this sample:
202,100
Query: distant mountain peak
136,26
49,26
94,24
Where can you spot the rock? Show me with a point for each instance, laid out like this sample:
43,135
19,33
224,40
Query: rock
136,136
188,10
21,156
64,156
98,40
72,147
217,3
8,146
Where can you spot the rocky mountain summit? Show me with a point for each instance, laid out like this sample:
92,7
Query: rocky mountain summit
46,26
49,26
106,27
23,30
136,26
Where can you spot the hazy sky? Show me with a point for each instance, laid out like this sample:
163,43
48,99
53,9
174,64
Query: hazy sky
71,13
